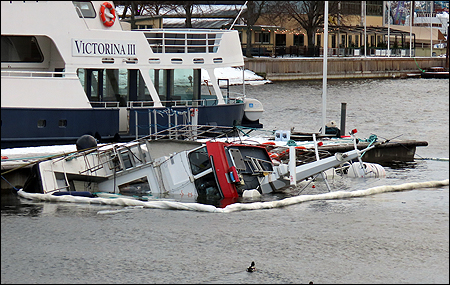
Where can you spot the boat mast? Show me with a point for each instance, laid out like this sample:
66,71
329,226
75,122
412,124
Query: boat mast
243,67
389,29
363,14
325,64
431,29
411,15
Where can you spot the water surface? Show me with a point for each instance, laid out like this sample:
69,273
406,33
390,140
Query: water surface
394,237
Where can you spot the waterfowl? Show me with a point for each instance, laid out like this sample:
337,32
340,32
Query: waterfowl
252,267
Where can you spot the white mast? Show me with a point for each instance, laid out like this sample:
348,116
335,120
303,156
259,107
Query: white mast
431,28
389,29
411,14
365,28
325,64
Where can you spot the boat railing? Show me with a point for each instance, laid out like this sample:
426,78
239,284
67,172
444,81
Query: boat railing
105,104
192,132
26,73
184,41
180,103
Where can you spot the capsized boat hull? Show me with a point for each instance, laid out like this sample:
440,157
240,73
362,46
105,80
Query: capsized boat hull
175,169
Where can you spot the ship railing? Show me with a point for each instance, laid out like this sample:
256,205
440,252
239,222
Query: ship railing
169,114
193,132
105,104
180,103
173,103
184,41
26,73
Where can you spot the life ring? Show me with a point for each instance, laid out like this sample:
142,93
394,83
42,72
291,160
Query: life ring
103,16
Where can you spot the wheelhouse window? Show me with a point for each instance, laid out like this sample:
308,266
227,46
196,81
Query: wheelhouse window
114,85
21,49
177,84
207,187
84,9
199,160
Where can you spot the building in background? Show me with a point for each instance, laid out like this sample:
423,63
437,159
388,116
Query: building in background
346,31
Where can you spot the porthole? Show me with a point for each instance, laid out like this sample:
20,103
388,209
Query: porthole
42,123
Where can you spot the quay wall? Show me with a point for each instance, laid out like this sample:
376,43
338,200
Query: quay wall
282,69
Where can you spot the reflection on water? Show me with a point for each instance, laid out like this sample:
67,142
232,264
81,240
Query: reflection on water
400,164
12,205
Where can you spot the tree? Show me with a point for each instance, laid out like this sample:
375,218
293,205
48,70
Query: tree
254,10
309,15
153,8
188,7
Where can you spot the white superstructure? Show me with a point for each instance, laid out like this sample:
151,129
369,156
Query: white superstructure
60,55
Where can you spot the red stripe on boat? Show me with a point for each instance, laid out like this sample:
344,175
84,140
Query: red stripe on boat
217,151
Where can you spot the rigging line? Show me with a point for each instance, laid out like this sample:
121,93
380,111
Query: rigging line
388,140
9,183
311,180
418,65
235,19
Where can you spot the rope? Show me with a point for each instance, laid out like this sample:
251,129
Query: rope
27,158
9,183
371,139
418,65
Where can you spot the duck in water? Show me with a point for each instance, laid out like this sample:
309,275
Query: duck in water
252,267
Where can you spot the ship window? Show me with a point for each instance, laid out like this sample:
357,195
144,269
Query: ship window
21,49
41,123
86,8
198,60
62,123
114,85
126,159
199,160
136,187
154,60
177,60
177,84
207,187
198,49
114,163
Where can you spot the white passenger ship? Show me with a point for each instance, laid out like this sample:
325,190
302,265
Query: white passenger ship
69,69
